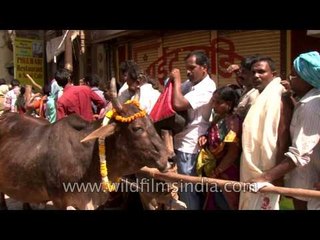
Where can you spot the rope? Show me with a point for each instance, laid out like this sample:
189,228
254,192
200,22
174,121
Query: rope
227,184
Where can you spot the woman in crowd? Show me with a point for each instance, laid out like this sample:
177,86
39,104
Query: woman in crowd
221,148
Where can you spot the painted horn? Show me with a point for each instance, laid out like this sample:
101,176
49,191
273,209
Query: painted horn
113,96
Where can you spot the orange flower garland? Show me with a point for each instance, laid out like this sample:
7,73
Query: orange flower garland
106,184
113,113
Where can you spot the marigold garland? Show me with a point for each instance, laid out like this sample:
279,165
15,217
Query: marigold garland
113,113
106,184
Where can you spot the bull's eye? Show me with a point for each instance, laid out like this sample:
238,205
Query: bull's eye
137,129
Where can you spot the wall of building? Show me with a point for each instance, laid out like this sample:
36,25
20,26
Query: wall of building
301,43
158,52
158,55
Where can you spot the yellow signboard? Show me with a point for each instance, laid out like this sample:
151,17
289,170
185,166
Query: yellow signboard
28,59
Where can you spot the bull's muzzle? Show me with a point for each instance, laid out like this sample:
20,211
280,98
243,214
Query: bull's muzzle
167,167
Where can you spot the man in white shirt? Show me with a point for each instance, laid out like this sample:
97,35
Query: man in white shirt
194,96
136,80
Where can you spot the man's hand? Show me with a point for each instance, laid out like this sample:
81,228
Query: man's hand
233,68
260,178
175,75
286,84
202,140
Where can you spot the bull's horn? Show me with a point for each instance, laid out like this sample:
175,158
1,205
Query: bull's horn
113,95
103,131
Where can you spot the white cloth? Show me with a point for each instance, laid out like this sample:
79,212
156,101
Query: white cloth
123,88
56,90
265,201
4,89
124,93
259,143
148,96
305,149
100,93
11,98
199,97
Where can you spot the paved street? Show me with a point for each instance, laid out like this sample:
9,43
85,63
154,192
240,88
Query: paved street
16,205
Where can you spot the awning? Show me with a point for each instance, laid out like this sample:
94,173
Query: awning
313,33
56,45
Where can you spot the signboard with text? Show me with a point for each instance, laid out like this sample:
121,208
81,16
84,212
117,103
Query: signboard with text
28,59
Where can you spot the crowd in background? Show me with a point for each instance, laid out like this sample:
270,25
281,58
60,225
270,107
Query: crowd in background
260,129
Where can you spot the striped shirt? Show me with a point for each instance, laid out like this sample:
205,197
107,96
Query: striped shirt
305,149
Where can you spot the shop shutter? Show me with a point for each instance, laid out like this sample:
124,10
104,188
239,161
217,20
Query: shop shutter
246,43
177,46
145,53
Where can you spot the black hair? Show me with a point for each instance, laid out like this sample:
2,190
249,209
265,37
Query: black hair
246,63
126,65
15,82
46,89
229,94
134,72
237,89
269,60
201,58
21,101
62,77
92,80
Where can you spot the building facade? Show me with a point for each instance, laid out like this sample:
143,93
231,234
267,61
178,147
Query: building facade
157,52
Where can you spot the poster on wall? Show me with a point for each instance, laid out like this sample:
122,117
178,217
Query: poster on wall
28,59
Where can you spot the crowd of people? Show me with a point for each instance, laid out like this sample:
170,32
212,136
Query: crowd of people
260,129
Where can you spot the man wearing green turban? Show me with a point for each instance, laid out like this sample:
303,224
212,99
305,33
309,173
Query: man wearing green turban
307,66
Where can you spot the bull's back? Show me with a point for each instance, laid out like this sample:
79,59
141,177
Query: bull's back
37,157
23,146
21,135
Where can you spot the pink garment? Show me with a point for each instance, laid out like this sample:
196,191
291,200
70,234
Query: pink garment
217,139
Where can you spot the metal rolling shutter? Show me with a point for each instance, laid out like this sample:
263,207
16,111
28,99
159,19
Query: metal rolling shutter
177,46
145,53
246,43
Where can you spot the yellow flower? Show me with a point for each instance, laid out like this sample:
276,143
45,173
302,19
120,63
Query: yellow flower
113,113
106,184
109,114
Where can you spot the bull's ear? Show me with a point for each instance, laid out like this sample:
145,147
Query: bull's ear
103,131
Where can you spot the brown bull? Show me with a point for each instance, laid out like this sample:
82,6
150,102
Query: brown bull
39,159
